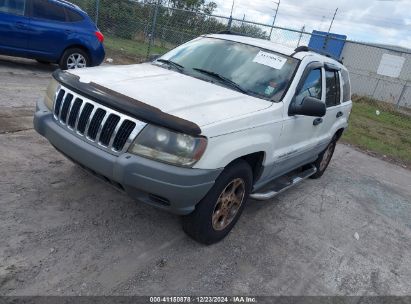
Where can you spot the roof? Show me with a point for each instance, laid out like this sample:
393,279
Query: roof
264,44
275,47
69,4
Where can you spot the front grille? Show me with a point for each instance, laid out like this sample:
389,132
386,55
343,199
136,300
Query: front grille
94,123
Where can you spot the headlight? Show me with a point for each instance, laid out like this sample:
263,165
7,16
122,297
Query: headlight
168,146
50,93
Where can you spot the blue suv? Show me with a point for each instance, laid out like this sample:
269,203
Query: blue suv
50,31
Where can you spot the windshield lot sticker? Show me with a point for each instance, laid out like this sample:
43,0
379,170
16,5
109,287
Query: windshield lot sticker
269,90
271,60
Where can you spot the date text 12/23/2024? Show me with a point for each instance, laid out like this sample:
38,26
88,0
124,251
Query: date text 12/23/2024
203,299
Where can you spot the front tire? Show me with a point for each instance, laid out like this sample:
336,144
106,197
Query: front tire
220,209
74,58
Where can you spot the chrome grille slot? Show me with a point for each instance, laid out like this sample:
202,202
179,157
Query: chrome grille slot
57,103
84,118
65,107
123,133
94,123
75,109
108,129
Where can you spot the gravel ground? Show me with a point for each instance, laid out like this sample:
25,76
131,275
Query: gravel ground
63,232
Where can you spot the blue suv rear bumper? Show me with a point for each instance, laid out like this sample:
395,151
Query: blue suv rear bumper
97,55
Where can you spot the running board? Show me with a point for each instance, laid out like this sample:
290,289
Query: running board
278,188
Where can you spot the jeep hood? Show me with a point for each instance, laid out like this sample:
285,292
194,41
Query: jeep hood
177,94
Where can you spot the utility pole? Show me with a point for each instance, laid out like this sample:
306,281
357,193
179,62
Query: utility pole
327,38
301,35
322,23
242,23
232,9
97,11
275,16
332,21
231,17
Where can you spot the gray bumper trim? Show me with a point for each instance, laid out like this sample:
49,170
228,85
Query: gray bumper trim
139,177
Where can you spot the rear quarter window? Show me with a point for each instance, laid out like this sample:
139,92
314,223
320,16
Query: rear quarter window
346,85
47,10
73,16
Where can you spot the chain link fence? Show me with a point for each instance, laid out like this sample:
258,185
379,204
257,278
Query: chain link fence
138,29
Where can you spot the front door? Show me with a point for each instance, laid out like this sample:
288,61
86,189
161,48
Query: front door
300,136
14,32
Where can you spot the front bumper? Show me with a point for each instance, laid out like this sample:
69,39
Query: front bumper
168,187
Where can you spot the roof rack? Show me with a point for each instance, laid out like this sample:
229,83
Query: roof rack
304,48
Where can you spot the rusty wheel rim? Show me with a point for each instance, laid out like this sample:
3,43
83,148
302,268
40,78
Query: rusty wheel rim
228,204
326,157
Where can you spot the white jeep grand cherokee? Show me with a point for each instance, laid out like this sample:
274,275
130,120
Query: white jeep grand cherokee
216,121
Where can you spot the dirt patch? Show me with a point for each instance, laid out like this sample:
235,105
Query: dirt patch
120,58
16,119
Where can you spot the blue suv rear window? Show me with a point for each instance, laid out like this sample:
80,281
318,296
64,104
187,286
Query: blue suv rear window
44,9
73,16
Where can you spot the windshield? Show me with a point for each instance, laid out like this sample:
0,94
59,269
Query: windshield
249,69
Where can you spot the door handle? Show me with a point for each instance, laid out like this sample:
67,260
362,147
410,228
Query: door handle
317,121
340,114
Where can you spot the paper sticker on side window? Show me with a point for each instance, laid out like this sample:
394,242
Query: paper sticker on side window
270,59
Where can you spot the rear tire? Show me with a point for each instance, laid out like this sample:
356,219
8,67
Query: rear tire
324,159
217,213
74,58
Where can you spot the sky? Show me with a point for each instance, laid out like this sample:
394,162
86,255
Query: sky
384,21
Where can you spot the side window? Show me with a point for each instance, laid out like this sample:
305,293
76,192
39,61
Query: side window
332,81
346,86
73,16
15,7
312,85
44,9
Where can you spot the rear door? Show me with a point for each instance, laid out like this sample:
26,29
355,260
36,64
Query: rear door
49,29
14,32
335,114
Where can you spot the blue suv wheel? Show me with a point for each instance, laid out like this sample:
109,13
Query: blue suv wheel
74,58
50,31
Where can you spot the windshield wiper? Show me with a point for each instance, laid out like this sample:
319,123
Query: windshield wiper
223,79
171,63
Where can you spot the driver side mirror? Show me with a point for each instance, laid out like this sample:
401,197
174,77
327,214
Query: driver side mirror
309,106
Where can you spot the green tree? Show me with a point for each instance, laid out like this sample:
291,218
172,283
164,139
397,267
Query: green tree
194,5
